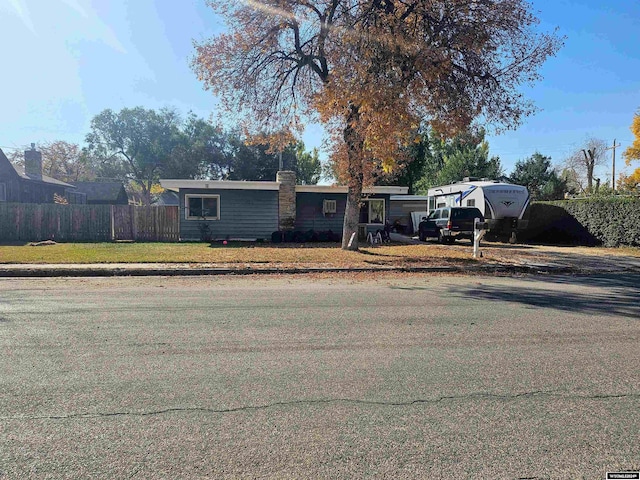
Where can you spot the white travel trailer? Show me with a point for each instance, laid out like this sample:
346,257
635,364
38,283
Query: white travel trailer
502,204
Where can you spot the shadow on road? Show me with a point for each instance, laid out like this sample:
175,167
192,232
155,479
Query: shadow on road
616,295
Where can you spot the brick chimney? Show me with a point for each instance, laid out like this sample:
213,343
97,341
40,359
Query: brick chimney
33,161
286,200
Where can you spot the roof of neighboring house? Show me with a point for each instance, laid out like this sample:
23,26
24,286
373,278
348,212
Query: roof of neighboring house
100,191
39,178
167,198
175,185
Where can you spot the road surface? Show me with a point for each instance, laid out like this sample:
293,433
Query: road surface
360,376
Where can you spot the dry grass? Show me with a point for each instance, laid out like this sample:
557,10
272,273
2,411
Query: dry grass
295,254
233,253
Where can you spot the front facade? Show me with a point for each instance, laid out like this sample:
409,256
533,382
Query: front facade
254,210
29,185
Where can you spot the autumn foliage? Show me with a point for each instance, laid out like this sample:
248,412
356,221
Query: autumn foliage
633,151
373,71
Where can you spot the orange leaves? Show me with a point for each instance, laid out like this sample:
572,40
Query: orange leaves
396,64
633,151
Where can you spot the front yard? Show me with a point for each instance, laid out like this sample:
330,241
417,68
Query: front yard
233,253
295,254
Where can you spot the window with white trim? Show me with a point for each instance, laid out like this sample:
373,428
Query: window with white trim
3,192
372,211
471,203
329,206
202,207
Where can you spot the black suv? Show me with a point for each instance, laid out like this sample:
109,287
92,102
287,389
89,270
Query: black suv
449,223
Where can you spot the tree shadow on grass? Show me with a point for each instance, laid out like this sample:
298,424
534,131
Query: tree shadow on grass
618,294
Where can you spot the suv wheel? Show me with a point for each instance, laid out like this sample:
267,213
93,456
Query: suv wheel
441,238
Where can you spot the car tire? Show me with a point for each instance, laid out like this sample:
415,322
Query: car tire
422,237
441,238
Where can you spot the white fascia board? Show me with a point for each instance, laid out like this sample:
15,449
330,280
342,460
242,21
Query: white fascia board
409,197
176,185
332,189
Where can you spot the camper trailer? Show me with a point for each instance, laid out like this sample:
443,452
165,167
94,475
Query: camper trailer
502,204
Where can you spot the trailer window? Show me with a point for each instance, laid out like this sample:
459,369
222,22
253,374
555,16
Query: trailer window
471,203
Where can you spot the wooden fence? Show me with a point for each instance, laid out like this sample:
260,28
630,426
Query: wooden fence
87,223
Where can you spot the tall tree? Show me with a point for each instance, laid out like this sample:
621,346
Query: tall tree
198,150
633,151
371,71
630,183
260,162
136,141
540,178
466,155
584,161
440,161
414,169
62,160
308,167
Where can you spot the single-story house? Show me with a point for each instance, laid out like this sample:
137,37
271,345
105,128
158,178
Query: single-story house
401,208
250,210
103,193
167,199
28,184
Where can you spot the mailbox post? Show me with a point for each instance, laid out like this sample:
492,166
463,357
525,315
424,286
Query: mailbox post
479,229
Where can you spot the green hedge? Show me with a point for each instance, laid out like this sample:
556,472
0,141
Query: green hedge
609,221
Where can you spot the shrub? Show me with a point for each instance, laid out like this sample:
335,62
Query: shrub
290,236
608,221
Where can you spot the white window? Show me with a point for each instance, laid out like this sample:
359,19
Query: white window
202,207
471,203
329,206
372,211
3,192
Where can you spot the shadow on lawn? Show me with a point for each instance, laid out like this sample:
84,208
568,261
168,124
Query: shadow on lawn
618,295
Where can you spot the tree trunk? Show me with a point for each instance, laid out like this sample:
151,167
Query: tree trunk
351,217
354,144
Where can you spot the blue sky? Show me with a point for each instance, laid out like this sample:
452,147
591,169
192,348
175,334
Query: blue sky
67,60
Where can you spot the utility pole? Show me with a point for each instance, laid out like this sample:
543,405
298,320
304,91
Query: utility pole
613,165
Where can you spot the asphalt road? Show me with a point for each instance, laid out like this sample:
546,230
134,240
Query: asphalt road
304,377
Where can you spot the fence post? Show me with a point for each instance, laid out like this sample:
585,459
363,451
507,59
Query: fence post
132,216
113,223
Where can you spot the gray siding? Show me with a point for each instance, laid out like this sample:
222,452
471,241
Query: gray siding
309,212
243,214
400,210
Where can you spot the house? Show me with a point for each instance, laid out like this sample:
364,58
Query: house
167,199
401,208
28,184
103,193
250,210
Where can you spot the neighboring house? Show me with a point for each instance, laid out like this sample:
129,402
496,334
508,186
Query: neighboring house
250,210
167,199
28,184
103,193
